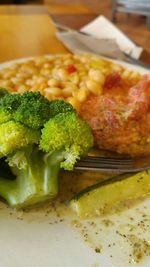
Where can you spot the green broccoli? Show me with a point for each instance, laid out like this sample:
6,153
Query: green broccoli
60,106
4,115
14,135
35,155
68,135
30,109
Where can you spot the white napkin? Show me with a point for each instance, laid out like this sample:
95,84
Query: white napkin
102,28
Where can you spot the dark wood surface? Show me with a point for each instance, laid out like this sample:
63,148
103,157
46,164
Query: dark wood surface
75,21
23,9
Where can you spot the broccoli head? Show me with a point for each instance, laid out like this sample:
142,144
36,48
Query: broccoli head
69,135
30,109
14,135
60,106
8,103
33,111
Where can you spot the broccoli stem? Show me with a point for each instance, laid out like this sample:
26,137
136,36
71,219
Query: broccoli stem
36,183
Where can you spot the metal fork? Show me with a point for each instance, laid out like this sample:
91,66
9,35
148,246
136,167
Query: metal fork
108,164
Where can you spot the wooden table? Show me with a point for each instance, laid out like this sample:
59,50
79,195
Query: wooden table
28,30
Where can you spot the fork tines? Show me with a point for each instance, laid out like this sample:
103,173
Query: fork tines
103,163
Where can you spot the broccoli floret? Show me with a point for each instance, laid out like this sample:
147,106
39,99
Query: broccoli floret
33,111
35,178
30,109
69,135
14,135
35,156
60,106
8,104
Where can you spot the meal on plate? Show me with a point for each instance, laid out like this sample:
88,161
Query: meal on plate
52,108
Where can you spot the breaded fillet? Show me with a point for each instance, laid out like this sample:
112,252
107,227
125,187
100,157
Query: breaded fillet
120,116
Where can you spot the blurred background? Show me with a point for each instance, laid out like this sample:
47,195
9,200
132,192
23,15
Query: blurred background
93,4
131,16
138,9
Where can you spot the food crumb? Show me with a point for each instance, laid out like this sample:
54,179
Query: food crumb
107,222
98,249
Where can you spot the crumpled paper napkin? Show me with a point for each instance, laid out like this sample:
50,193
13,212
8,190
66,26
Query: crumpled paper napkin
100,37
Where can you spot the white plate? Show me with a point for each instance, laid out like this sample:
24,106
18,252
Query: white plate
42,239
